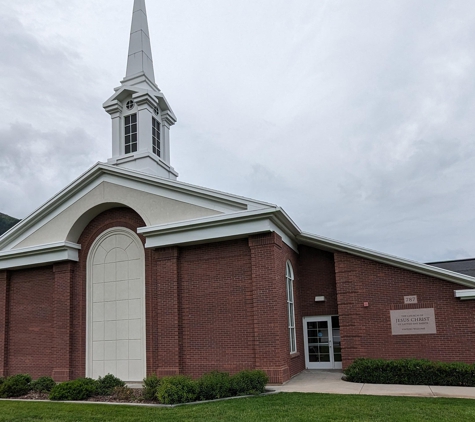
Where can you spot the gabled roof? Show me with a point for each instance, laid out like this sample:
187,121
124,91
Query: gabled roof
232,216
220,201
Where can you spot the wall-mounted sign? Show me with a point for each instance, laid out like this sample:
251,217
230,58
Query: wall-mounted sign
413,321
408,300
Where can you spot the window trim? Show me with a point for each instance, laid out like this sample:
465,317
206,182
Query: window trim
289,284
156,140
134,146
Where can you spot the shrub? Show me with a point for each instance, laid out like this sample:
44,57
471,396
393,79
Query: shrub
177,389
150,385
105,386
246,383
15,386
80,389
43,385
215,385
411,372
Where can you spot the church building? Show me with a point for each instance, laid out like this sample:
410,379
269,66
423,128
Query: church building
131,272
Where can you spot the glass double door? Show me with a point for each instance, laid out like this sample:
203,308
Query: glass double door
322,342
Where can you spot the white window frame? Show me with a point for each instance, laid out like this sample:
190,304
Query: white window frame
289,282
156,137
128,142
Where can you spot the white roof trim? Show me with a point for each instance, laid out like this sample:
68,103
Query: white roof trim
332,245
39,255
100,169
222,227
465,294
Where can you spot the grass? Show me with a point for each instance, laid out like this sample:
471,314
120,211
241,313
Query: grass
281,407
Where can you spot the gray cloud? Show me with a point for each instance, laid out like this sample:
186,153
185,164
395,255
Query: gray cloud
30,168
356,117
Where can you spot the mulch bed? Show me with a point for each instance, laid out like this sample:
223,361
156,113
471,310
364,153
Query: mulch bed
134,395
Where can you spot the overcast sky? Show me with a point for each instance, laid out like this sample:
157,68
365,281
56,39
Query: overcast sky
357,117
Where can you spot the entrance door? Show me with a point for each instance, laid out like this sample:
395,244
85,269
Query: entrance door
322,342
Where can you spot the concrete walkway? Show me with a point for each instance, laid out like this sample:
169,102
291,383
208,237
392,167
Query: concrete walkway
319,381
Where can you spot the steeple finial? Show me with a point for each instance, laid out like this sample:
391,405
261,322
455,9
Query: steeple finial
140,51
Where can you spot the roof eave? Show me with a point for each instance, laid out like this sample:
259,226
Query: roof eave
335,246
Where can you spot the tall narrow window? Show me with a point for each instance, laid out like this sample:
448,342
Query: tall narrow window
156,137
290,307
130,133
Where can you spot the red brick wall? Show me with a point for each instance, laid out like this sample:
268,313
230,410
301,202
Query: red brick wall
317,274
61,304
30,322
216,321
366,332
4,316
165,312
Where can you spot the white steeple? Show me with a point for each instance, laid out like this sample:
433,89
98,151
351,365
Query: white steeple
140,52
141,115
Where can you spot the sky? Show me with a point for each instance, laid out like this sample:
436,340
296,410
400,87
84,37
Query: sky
356,117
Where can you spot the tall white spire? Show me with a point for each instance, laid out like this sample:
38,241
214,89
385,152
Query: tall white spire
141,115
140,51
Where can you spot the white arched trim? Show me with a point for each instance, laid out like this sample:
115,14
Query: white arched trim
115,304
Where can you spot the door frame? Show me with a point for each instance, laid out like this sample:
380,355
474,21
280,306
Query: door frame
320,365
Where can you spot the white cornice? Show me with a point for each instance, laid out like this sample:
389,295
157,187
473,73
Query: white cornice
39,255
222,227
465,294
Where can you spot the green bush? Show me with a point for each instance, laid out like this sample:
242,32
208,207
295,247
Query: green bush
215,385
105,386
246,383
15,386
411,372
150,384
80,389
43,385
177,389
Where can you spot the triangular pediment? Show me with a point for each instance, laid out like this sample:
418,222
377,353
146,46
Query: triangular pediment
158,201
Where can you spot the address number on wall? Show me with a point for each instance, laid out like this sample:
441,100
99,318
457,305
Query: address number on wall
410,299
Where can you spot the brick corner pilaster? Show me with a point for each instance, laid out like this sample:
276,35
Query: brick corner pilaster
4,323
265,239
163,309
63,278
269,292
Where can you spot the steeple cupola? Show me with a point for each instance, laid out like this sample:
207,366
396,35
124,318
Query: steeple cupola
141,115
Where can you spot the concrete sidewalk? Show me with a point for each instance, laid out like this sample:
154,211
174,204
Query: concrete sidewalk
319,381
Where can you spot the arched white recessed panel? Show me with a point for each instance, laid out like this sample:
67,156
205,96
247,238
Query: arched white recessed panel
116,306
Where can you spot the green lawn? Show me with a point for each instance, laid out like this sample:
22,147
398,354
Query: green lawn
275,408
